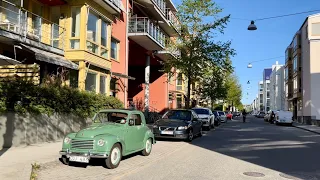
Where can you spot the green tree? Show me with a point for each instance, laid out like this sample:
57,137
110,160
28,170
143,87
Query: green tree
234,92
196,43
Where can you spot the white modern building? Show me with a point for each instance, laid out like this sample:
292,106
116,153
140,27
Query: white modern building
277,90
260,106
266,89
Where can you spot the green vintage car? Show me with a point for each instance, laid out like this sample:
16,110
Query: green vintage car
113,134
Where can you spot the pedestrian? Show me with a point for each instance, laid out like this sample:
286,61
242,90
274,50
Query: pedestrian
244,114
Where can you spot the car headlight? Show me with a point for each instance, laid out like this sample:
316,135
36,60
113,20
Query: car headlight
182,127
100,142
67,140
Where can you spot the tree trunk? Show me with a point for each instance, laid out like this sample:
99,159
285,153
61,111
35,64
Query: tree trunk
232,106
189,93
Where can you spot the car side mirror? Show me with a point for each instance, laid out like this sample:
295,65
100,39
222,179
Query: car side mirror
131,122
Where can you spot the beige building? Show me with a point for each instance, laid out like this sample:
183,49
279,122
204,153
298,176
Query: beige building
302,72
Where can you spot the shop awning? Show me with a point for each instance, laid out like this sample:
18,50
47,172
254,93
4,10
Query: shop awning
122,75
51,58
4,60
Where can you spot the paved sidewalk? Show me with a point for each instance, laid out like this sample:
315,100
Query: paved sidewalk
15,162
311,128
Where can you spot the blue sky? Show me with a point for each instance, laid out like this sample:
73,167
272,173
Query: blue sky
270,40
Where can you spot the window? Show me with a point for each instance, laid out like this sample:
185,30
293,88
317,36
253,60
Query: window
268,94
287,72
179,101
90,82
102,85
295,84
92,32
137,119
315,29
104,39
113,87
75,28
179,82
114,48
295,63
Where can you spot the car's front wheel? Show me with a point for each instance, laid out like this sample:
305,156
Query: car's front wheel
148,147
190,135
65,160
114,159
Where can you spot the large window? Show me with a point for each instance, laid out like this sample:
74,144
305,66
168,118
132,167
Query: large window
286,72
295,84
91,82
295,63
114,49
179,82
104,39
75,28
102,85
92,32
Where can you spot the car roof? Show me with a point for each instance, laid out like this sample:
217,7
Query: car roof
122,110
201,108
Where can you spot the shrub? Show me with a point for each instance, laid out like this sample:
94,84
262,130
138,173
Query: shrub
25,97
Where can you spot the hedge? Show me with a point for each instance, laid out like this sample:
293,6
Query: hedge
24,97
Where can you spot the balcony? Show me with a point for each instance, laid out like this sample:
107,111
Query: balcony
170,52
146,33
24,26
113,6
164,15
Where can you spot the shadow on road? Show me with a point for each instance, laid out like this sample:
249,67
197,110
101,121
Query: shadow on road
284,149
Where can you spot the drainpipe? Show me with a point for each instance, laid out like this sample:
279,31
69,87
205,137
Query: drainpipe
127,58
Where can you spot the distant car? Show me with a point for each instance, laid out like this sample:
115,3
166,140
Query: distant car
261,115
222,116
206,116
236,114
178,124
113,134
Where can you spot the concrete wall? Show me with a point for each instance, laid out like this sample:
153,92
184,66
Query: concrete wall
16,130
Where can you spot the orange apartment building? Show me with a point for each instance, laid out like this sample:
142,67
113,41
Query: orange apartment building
152,26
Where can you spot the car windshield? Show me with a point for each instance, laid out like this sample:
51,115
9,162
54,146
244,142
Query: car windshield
221,113
178,115
201,111
115,117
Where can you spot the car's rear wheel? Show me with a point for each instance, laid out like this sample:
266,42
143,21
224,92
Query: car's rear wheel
148,147
114,159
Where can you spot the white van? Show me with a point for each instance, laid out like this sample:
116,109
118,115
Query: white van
283,117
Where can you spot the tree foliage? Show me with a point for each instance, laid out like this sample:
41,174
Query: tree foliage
196,43
234,92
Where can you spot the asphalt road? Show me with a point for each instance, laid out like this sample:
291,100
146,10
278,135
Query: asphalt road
235,150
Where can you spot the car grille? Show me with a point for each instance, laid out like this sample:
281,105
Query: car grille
82,144
167,128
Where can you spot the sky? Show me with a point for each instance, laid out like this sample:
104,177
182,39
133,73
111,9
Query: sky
270,40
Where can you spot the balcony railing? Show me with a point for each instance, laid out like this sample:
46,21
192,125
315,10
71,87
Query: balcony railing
145,25
116,3
161,5
173,19
31,26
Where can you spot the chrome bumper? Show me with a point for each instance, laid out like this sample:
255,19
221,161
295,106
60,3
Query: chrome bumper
89,154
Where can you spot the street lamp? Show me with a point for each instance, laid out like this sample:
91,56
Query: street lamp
252,26
250,63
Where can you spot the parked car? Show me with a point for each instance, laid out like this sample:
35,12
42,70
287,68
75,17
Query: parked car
113,134
222,116
217,120
283,117
178,124
206,116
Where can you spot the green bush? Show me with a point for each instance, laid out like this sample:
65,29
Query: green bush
25,97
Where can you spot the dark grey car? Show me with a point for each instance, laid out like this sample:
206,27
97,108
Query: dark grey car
178,124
